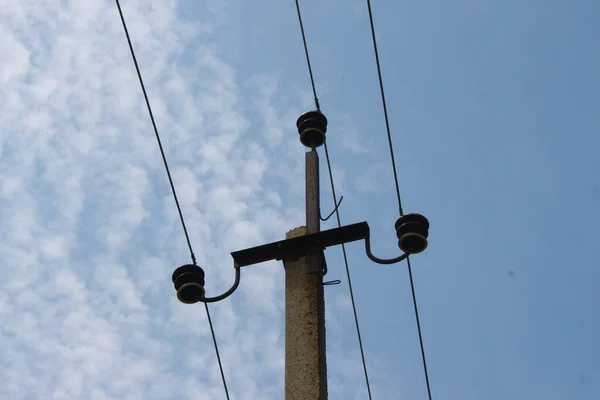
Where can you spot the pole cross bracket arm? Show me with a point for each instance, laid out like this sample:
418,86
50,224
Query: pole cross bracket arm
313,242
411,231
301,245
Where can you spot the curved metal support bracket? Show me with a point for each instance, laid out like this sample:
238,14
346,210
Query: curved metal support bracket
381,260
228,292
293,247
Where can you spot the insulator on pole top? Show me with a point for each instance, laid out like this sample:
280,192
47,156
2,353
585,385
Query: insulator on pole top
312,127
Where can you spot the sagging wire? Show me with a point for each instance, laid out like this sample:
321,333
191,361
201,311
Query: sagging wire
389,136
174,192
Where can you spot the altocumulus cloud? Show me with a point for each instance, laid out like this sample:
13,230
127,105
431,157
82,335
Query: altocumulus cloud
90,234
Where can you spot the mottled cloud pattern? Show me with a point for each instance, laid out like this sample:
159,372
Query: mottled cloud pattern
90,234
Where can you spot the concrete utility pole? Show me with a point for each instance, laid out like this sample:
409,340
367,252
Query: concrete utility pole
305,361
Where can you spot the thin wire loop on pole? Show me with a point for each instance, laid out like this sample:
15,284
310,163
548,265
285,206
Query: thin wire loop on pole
164,158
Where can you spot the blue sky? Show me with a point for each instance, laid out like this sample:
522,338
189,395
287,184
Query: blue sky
494,109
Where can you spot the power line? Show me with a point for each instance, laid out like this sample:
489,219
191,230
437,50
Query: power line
389,135
335,204
162,153
414,297
385,113
312,79
337,215
214,338
164,158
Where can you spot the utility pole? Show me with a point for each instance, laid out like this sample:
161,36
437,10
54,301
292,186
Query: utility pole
302,253
305,360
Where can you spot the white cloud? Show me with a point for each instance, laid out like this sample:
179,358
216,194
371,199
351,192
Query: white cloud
370,180
90,235
53,247
348,136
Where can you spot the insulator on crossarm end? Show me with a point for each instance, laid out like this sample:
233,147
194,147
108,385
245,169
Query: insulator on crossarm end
412,231
189,283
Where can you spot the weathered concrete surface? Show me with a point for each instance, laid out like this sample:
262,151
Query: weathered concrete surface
305,364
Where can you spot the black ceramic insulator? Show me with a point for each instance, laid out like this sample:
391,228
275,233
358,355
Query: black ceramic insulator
188,269
412,227
411,218
189,283
190,293
312,127
412,231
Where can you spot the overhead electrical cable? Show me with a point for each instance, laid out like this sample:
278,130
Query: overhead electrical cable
337,215
335,204
389,135
174,192
310,71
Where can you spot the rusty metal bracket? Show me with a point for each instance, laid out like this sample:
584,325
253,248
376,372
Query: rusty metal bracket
301,245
